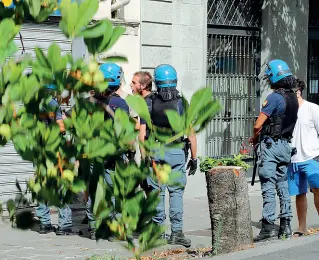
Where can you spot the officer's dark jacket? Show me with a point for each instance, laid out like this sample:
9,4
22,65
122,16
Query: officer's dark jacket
114,101
281,126
165,99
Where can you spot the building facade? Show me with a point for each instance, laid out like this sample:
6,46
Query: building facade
218,43
157,32
242,35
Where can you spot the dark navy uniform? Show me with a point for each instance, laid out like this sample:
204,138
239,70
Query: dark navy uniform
281,109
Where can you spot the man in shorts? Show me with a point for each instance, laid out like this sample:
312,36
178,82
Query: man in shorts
304,167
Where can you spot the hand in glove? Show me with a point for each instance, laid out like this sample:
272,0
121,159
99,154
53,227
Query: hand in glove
192,166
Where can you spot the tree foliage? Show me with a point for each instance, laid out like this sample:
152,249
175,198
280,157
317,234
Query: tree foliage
91,140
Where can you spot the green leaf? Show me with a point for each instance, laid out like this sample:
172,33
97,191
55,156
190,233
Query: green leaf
102,215
14,74
41,58
54,58
97,148
78,186
175,120
54,135
8,30
87,10
99,195
93,44
121,122
69,12
44,14
106,36
11,208
34,7
115,59
206,115
95,30
2,114
8,51
20,142
97,119
117,33
199,100
27,121
101,87
138,104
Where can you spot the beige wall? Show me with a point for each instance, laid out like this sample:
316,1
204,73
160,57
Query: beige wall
132,12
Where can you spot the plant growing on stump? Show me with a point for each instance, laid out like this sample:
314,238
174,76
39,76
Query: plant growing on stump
91,140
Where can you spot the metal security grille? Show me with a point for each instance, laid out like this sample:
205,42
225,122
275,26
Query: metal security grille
313,71
232,72
12,167
244,13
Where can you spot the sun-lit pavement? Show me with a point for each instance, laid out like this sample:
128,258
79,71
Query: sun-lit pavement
16,244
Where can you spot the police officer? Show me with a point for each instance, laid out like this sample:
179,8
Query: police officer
274,128
167,97
111,101
54,115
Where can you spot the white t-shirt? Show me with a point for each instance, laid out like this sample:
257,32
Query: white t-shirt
305,135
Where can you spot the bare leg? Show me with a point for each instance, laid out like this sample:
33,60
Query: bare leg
86,196
316,198
301,205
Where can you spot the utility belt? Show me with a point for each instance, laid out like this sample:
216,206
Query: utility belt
268,141
275,138
177,141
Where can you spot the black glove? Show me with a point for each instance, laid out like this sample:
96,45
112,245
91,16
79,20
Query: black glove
192,166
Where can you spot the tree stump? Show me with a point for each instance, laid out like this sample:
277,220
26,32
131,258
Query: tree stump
229,209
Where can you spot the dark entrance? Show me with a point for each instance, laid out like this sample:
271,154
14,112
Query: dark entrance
233,64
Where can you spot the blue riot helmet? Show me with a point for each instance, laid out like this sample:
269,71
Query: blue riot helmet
113,74
277,70
165,76
8,4
51,87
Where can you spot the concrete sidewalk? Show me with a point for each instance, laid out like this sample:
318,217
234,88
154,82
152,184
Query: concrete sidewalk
16,244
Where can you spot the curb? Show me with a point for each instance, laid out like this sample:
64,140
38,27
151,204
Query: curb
265,248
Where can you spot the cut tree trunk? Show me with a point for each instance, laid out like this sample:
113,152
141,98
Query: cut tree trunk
229,209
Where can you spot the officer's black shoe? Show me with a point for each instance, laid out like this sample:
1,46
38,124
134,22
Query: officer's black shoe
284,229
178,238
45,229
92,234
111,238
267,232
67,231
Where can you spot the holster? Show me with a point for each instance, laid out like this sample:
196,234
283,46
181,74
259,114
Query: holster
187,147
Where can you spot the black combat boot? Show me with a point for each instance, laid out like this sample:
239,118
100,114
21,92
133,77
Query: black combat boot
45,229
66,231
178,238
284,229
267,232
93,234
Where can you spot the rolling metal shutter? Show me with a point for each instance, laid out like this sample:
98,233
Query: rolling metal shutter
12,167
